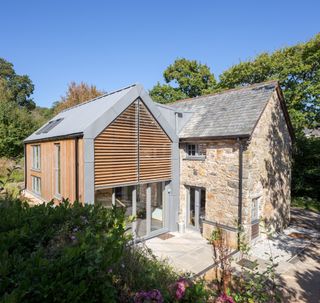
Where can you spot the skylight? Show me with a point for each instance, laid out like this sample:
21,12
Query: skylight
49,126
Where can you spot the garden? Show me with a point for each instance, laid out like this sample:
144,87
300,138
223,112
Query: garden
85,253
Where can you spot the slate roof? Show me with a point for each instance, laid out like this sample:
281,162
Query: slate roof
76,119
230,113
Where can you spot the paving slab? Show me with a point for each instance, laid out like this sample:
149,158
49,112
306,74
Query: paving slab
188,252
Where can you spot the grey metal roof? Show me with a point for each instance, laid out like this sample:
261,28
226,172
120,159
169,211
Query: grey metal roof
76,119
227,114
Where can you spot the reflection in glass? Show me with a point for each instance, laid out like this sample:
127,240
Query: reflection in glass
157,213
123,198
141,215
192,206
104,197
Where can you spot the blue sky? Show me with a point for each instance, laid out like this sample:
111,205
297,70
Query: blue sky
115,43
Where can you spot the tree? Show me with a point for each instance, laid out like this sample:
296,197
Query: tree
184,79
76,94
298,70
20,87
17,120
16,123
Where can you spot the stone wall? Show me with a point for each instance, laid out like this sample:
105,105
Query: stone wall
267,163
266,176
218,174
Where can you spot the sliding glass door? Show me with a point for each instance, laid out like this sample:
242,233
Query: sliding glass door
147,202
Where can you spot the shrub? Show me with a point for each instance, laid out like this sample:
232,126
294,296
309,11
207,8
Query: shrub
59,254
139,270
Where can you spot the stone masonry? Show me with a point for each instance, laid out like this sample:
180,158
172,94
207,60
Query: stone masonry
266,176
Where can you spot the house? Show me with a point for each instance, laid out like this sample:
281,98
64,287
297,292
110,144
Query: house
217,160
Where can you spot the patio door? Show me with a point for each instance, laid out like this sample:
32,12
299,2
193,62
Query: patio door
196,204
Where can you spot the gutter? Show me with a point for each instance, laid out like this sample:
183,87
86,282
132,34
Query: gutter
234,137
55,138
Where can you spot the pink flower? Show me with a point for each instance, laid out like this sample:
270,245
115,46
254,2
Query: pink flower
224,298
180,287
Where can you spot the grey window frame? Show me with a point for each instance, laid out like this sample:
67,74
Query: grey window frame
36,185
36,157
197,148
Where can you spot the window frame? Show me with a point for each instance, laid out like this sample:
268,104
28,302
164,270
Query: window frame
255,204
57,170
195,151
36,185
36,157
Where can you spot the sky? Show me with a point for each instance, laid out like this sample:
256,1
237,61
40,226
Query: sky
112,44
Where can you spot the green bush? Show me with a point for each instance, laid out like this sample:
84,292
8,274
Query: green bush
138,270
59,254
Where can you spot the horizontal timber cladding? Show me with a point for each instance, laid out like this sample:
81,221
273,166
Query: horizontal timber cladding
131,149
154,148
116,150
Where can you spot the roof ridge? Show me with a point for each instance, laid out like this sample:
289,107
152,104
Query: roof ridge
99,97
228,90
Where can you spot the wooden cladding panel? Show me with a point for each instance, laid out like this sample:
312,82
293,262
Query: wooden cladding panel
116,150
133,148
47,166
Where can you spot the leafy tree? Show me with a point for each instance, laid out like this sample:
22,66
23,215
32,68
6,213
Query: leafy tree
184,78
298,70
76,94
306,172
20,86
16,111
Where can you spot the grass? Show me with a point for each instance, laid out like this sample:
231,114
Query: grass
306,203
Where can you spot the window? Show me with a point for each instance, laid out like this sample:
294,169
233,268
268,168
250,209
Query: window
36,157
146,202
255,210
196,151
49,126
57,170
36,185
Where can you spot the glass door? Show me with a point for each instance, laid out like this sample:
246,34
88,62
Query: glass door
196,206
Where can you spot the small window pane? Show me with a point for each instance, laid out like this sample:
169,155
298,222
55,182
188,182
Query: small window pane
57,169
36,185
36,157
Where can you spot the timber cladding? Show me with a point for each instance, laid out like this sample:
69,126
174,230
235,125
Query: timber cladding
133,148
46,173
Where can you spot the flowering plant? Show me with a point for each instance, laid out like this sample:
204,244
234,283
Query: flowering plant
224,298
148,296
180,288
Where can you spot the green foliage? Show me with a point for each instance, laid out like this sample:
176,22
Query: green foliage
18,116
20,86
59,254
298,70
138,269
306,169
184,78
306,203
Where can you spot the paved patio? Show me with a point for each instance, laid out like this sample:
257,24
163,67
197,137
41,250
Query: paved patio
186,252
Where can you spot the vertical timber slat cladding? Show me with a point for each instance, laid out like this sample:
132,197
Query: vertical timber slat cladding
116,151
154,148
47,166
131,149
